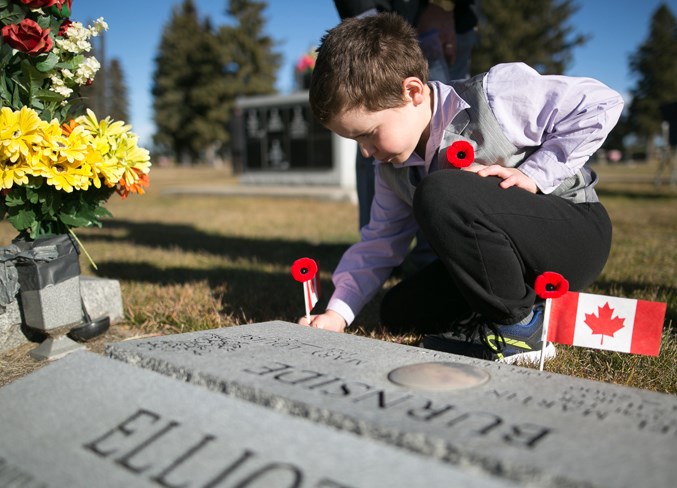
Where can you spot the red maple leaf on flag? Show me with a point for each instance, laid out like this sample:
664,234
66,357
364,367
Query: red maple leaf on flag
603,323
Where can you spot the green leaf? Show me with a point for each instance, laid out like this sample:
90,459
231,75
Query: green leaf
76,220
32,196
16,97
101,212
12,14
14,199
71,64
6,53
5,92
47,62
23,219
48,96
44,21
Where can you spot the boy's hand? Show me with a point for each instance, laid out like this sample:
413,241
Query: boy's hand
329,320
510,176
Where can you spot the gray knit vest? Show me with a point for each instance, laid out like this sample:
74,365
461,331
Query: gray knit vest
479,126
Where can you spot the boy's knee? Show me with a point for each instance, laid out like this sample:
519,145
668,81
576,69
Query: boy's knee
436,191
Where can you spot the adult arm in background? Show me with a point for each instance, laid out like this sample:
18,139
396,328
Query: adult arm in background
446,16
456,21
409,9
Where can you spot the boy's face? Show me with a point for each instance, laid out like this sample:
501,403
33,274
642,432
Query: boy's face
390,135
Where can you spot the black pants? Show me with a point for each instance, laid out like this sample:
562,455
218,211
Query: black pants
492,243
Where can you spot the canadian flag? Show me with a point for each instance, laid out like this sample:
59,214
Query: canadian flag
605,322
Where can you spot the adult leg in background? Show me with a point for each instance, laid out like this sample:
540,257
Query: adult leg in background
365,182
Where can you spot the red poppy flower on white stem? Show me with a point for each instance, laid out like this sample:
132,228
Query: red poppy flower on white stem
551,285
304,269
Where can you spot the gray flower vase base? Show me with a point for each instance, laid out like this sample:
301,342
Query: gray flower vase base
55,347
49,293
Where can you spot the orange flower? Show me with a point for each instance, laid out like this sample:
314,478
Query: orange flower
68,127
124,189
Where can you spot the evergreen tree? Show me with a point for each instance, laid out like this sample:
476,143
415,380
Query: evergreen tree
209,96
200,71
173,81
107,95
655,65
253,62
117,106
535,32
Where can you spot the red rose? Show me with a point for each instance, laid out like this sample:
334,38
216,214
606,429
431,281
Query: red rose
460,154
551,285
27,37
304,269
64,27
33,4
62,8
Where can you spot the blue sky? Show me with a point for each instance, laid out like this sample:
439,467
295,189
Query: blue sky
617,28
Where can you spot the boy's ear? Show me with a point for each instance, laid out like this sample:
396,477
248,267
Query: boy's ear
413,89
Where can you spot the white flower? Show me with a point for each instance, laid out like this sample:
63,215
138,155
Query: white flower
58,86
86,70
76,40
99,25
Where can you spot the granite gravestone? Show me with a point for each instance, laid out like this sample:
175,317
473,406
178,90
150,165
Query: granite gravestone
100,297
88,421
527,426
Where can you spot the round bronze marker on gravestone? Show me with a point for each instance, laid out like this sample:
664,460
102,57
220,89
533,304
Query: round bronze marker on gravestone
438,376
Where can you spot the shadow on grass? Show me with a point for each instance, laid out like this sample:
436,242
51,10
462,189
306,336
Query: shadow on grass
189,239
249,292
253,295
246,291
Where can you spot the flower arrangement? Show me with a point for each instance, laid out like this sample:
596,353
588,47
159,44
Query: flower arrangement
304,68
58,166
306,63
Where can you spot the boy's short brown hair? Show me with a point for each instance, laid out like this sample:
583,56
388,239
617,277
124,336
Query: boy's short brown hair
361,63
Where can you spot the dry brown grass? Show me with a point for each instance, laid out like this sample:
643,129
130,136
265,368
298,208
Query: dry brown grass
199,262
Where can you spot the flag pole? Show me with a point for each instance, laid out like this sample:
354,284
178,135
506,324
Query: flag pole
306,299
544,335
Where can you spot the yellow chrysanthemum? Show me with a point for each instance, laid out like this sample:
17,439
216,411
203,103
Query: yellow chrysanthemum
20,132
104,128
117,148
12,173
76,145
64,175
132,158
52,141
103,168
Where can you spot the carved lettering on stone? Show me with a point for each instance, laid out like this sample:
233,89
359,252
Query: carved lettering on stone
167,453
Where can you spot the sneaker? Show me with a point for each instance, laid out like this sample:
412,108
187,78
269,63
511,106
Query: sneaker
504,343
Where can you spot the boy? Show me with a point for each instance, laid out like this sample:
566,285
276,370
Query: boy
525,205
